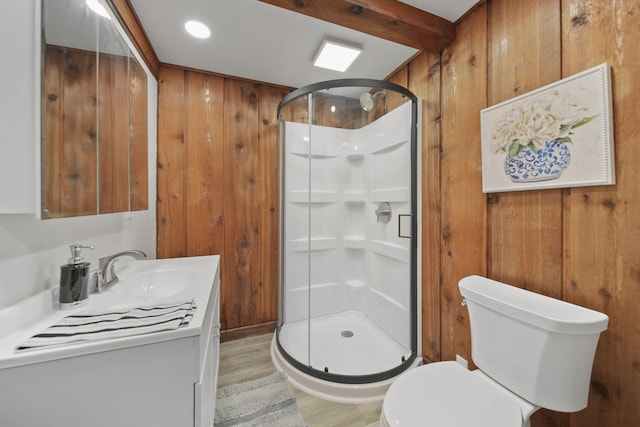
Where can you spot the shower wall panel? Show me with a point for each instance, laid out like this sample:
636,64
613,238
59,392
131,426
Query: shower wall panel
388,147
335,249
313,242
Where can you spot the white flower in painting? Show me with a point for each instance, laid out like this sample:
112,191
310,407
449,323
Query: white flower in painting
564,106
531,124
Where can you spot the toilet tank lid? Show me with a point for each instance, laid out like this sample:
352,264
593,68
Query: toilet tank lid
538,310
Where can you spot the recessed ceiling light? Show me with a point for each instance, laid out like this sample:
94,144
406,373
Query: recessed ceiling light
98,8
197,29
335,55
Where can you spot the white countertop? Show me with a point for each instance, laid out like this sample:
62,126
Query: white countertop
35,314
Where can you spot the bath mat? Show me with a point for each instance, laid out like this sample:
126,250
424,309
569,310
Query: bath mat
265,402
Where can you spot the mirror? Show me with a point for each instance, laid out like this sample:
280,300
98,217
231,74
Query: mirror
94,113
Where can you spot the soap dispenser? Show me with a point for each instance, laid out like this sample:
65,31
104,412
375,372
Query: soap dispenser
74,279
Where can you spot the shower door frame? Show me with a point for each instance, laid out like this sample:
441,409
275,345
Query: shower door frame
413,274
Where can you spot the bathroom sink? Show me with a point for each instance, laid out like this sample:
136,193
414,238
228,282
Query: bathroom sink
148,287
155,285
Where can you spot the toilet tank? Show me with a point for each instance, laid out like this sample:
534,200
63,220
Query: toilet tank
538,347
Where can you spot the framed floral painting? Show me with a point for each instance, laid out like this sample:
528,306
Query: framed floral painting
557,136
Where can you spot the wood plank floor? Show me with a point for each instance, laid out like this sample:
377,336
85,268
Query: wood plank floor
250,358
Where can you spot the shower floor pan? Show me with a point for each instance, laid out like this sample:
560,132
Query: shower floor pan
345,343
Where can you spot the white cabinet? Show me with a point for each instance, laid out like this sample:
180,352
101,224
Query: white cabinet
18,115
204,403
205,389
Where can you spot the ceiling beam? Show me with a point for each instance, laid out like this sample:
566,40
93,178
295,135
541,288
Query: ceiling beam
130,22
388,19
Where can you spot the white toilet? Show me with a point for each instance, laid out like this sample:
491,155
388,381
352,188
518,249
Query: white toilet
532,351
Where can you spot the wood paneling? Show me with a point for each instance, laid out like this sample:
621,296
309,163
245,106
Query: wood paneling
524,244
113,132
248,331
69,146
171,218
240,301
532,36
269,176
218,184
138,138
463,206
394,99
602,224
204,164
95,134
424,82
387,19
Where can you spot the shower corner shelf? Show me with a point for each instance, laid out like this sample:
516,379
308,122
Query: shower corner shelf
390,250
355,283
316,197
313,245
354,197
395,195
383,147
313,155
355,242
355,157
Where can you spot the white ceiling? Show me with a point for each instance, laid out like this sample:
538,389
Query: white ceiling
258,41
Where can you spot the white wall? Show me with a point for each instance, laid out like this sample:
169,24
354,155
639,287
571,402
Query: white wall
17,105
31,250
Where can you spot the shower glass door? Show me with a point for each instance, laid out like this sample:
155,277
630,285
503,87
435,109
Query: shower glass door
295,252
349,221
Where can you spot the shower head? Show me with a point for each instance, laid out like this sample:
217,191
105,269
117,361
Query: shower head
367,99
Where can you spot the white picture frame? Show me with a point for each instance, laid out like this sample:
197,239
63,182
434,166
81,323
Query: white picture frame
557,136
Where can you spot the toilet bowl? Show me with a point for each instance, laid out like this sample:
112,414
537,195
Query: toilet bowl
447,394
532,351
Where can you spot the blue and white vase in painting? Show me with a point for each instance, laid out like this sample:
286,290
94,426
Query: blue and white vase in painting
548,163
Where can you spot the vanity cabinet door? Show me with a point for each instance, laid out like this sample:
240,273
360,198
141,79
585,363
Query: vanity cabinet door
205,389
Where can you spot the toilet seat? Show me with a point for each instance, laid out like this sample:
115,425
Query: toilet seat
446,394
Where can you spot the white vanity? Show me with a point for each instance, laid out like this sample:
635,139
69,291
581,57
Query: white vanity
160,379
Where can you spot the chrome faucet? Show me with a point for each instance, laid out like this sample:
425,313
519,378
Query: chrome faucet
106,269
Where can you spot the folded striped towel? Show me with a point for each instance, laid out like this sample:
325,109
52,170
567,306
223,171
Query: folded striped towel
84,327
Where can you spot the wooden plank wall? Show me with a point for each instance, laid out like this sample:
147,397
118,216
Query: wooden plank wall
578,244
69,146
84,157
113,131
602,224
138,138
424,82
218,184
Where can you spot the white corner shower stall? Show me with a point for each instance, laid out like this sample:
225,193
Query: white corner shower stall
349,263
